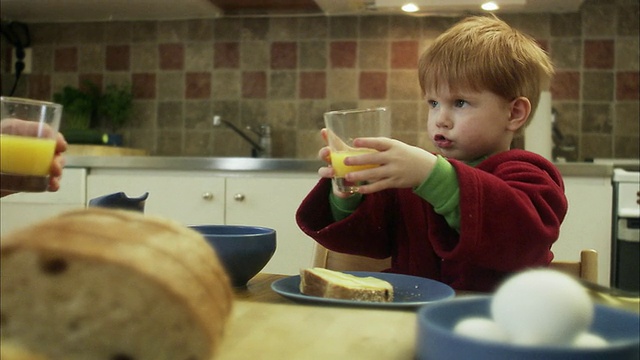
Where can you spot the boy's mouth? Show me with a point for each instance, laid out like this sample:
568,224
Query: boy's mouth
441,141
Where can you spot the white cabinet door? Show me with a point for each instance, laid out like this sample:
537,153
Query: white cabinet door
588,222
19,210
272,202
191,198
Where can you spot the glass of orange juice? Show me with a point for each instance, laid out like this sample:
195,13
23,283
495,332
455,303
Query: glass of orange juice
28,132
343,126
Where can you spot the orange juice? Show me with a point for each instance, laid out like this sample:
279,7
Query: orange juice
340,169
26,155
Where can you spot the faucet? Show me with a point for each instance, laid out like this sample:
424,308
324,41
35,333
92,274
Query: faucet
261,148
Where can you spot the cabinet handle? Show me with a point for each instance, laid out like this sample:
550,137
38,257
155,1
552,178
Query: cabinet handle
207,196
238,197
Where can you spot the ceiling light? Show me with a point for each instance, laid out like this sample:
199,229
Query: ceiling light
410,7
490,6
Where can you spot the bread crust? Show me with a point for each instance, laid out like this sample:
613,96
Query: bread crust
331,284
165,258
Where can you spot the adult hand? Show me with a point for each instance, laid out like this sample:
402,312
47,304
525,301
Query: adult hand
55,172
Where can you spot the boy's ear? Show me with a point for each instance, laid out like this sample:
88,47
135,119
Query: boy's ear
520,110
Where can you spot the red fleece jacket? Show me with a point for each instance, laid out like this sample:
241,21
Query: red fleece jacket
511,207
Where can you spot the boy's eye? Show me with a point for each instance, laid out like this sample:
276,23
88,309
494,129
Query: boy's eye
432,103
460,103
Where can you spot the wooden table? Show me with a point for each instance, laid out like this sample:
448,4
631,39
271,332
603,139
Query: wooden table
265,326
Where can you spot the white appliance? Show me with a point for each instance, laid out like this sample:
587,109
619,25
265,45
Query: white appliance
625,249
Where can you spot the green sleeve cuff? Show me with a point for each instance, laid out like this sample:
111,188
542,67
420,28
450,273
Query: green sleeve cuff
343,207
441,190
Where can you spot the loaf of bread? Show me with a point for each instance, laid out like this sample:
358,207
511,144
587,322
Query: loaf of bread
338,285
109,284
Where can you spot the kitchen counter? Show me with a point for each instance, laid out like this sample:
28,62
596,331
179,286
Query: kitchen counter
599,169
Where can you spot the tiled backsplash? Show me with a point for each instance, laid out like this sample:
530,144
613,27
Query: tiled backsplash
287,72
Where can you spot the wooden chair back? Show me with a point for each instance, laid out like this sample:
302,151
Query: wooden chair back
586,268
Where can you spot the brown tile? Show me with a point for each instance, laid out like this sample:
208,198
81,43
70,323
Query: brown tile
312,85
598,54
254,84
404,54
171,56
93,78
117,57
566,85
40,87
627,87
226,55
66,59
284,55
198,85
372,85
144,85
343,54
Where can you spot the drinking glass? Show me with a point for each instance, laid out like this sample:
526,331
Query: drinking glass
28,133
343,126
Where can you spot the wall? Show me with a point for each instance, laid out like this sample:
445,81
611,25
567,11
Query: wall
287,71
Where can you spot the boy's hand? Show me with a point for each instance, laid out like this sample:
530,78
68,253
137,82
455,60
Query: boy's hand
327,171
401,165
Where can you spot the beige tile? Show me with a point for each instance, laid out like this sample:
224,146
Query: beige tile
342,85
198,56
627,53
596,146
282,85
627,120
594,23
403,85
170,85
597,118
225,85
313,55
627,147
373,54
597,85
566,53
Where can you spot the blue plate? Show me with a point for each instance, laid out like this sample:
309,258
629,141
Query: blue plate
408,291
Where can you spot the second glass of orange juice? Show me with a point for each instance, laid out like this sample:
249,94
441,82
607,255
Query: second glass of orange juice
343,126
28,131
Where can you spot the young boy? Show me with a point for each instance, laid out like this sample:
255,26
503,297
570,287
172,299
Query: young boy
475,212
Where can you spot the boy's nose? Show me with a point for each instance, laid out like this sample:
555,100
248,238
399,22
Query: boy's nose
443,120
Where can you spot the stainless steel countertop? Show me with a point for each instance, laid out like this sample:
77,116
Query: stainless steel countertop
598,169
193,163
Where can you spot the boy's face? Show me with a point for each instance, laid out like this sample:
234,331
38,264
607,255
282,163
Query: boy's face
468,124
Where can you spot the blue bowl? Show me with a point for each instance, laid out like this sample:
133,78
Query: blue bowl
243,250
436,339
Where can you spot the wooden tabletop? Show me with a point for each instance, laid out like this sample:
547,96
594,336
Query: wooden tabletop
265,325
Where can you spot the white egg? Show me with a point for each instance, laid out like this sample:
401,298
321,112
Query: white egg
542,307
589,340
480,328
